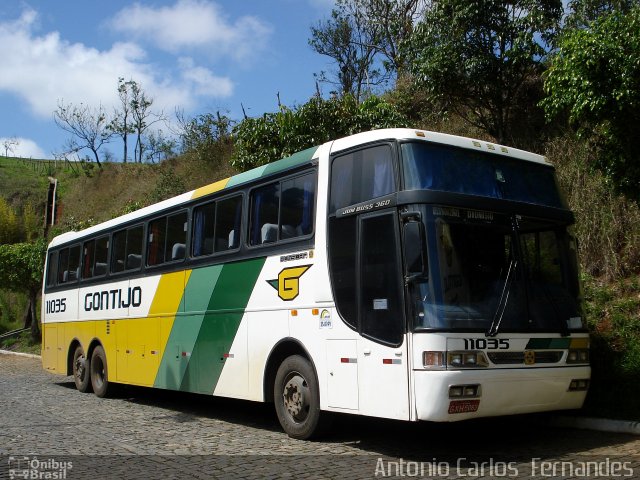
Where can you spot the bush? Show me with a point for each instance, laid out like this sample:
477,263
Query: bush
607,223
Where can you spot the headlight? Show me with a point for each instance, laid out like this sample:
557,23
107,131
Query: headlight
578,355
467,359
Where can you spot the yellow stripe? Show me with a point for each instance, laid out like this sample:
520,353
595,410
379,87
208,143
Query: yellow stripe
211,188
580,342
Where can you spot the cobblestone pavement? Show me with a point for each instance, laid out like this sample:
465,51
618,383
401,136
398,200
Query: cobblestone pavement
47,426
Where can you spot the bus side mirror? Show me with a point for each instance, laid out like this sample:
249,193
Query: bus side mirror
415,261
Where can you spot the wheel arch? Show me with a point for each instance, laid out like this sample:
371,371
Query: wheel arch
286,347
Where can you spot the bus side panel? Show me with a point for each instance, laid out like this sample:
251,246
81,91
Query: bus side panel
215,299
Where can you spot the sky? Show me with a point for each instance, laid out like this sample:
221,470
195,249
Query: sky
198,56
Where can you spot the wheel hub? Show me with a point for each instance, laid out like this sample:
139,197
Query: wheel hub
80,366
295,398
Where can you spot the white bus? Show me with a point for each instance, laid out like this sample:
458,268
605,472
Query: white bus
397,273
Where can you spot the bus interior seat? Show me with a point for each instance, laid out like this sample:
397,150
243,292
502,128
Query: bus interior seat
289,231
133,261
100,269
178,250
232,239
269,233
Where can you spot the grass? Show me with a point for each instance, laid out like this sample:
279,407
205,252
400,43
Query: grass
613,313
23,343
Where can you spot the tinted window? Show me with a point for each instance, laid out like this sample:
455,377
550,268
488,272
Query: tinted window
451,169
88,256
216,226
52,265
342,245
127,249
69,264
265,205
101,257
361,175
381,304
167,239
282,210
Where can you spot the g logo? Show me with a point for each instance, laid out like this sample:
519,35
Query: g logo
288,282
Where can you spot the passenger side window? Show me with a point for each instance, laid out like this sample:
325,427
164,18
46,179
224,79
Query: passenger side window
127,249
52,266
282,210
216,226
167,239
361,175
69,264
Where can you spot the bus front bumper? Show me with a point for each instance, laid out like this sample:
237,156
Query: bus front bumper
500,392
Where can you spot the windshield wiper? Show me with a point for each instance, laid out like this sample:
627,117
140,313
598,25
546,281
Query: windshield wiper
504,299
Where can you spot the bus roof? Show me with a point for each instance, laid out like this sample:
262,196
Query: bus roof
300,158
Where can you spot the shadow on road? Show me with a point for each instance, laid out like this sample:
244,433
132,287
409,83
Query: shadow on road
516,438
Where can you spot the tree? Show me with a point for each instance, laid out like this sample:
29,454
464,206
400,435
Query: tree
21,266
9,225
88,126
583,12
345,38
159,147
595,79
391,23
142,117
121,123
207,135
9,145
478,57
276,135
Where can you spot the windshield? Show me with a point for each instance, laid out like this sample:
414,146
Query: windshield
432,166
495,272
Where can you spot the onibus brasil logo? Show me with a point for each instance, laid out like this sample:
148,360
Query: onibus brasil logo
288,282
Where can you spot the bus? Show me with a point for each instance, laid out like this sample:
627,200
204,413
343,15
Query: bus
396,273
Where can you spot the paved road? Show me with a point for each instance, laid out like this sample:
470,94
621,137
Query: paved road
47,426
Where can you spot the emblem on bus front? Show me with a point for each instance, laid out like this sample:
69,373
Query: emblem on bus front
288,282
529,357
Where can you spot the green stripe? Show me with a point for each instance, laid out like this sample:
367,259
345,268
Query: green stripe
294,160
218,329
218,296
548,343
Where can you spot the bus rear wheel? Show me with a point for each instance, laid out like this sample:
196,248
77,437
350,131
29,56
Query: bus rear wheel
81,375
99,372
297,398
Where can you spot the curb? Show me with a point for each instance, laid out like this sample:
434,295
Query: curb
597,424
19,354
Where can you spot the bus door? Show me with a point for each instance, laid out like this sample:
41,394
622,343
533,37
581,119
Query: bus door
383,369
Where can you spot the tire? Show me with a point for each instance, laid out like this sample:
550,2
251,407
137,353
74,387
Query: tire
99,372
81,370
297,398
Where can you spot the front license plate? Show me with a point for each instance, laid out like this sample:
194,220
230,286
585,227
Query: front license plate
463,406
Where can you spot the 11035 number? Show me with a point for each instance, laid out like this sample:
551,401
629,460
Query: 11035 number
486,344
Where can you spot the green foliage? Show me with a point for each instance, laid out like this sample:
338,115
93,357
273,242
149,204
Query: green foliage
207,135
32,223
262,140
583,12
9,226
613,314
169,185
478,57
595,78
607,223
21,266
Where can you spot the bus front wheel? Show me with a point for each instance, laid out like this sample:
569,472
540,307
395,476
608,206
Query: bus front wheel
296,397
81,375
99,372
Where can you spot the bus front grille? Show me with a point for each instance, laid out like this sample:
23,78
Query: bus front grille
517,358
